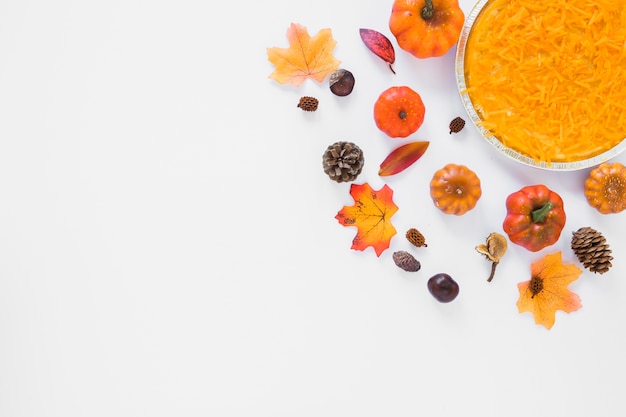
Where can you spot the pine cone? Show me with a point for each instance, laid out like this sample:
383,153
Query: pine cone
592,250
343,161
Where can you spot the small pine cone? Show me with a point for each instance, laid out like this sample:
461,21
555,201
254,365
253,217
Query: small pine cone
456,125
416,237
406,261
343,161
592,250
308,103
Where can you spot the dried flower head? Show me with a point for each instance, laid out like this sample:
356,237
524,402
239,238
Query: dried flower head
494,249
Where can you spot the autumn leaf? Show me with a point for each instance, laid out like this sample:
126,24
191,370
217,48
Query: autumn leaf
306,57
547,292
379,44
371,214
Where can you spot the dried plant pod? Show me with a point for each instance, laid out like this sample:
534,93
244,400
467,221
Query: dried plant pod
456,125
404,260
308,103
494,249
416,237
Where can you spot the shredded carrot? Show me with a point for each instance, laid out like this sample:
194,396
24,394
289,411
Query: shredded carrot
548,79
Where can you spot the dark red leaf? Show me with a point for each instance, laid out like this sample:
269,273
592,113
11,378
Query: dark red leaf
402,157
380,45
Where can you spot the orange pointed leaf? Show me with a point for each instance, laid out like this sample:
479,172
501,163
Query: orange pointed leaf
402,157
371,214
306,57
547,291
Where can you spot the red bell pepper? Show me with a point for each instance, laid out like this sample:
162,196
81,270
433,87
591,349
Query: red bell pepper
535,217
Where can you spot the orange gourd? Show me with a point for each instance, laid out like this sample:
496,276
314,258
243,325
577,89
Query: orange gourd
426,28
399,111
455,189
605,188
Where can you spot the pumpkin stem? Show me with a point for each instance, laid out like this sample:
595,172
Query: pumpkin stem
539,215
428,11
402,114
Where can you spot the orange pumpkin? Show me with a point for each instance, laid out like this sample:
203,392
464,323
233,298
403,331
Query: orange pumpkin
455,189
426,28
605,187
399,111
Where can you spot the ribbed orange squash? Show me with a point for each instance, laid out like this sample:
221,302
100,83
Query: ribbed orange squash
426,28
455,189
605,187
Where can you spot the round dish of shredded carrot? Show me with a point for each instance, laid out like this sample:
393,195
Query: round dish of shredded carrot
545,81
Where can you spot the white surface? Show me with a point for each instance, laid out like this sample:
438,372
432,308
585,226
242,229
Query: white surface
168,242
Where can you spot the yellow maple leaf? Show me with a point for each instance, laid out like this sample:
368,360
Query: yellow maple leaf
371,215
306,57
547,292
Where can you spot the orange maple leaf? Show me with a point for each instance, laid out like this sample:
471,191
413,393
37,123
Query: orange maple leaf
547,292
371,214
306,56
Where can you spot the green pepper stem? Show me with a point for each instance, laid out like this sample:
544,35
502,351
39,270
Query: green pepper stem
539,215
428,11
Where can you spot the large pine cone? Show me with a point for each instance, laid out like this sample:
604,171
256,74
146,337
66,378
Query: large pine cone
343,161
592,250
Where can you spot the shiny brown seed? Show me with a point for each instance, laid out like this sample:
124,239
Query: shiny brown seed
341,82
443,287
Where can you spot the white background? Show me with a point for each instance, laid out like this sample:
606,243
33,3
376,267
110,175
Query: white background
168,245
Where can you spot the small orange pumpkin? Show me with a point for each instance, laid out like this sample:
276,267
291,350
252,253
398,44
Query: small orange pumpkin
455,189
399,111
605,187
426,28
